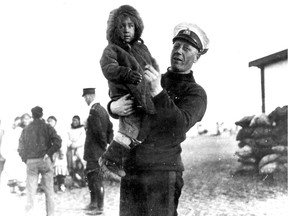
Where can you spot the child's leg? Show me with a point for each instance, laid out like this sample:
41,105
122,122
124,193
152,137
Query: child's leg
112,158
119,148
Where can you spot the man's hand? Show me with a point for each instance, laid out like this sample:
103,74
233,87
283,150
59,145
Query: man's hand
123,106
153,77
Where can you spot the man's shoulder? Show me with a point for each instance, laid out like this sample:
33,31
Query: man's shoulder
98,108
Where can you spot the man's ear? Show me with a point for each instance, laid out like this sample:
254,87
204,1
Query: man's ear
197,57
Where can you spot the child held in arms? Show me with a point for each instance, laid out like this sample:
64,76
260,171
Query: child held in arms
123,63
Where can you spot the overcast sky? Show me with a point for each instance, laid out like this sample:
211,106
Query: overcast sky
50,50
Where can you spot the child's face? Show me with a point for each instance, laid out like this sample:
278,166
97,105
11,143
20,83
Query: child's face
127,29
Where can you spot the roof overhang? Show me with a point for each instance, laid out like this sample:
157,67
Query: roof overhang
270,59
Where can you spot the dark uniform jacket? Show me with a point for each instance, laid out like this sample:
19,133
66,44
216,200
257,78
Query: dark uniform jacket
179,106
38,139
99,132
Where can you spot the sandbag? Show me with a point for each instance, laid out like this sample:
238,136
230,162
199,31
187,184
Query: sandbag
259,153
261,132
244,133
245,121
280,149
247,141
282,159
260,120
268,159
244,152
278,114
249,160
280,129
282,167
282,140
269,168
266,142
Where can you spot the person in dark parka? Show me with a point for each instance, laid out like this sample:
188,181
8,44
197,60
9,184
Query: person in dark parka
123,63
153,182
99,132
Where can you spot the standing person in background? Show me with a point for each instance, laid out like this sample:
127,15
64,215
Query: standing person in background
99,132
75,152
60,163
37,144
2,159
25,120
14,167
153,181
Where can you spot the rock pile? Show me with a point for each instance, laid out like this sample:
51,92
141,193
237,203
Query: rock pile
263,143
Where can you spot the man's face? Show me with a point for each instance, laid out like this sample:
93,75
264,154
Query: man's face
183,56
51,122
87,99
127,29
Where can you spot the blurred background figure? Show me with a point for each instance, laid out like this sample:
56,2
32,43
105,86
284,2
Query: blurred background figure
2,159
60,160
14,169
25,120
75,153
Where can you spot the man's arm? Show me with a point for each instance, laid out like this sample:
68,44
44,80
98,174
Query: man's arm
96,123
187,112
110,132
55,140
121,107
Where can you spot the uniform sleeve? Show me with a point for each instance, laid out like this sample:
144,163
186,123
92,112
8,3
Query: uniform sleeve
97,126
110,66
189,110
55,140
110,132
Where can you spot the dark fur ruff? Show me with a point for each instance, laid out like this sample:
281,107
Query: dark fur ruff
113,33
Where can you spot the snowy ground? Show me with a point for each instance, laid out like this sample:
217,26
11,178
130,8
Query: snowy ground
211,188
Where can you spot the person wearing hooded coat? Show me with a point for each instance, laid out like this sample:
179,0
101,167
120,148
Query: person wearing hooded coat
123,63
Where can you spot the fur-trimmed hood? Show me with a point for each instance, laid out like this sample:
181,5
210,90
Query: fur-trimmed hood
113,34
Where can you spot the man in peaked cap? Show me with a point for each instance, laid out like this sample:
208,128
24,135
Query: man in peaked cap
99,132
153,181
37,144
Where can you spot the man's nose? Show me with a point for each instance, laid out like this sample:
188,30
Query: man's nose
179,50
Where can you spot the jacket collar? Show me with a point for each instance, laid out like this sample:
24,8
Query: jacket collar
180,77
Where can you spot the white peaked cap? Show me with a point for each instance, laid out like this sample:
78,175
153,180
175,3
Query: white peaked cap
198,31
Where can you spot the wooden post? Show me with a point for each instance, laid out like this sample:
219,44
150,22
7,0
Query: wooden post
263,89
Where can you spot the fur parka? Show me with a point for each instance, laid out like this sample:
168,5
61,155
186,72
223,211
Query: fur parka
119,58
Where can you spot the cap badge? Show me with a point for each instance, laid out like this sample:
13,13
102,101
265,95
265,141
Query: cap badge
187,32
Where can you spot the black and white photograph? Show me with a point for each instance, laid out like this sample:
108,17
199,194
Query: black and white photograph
143,108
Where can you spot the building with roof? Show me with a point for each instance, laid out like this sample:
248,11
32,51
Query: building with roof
274,82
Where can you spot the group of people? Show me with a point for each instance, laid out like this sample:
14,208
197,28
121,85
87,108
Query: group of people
154,110
67,160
